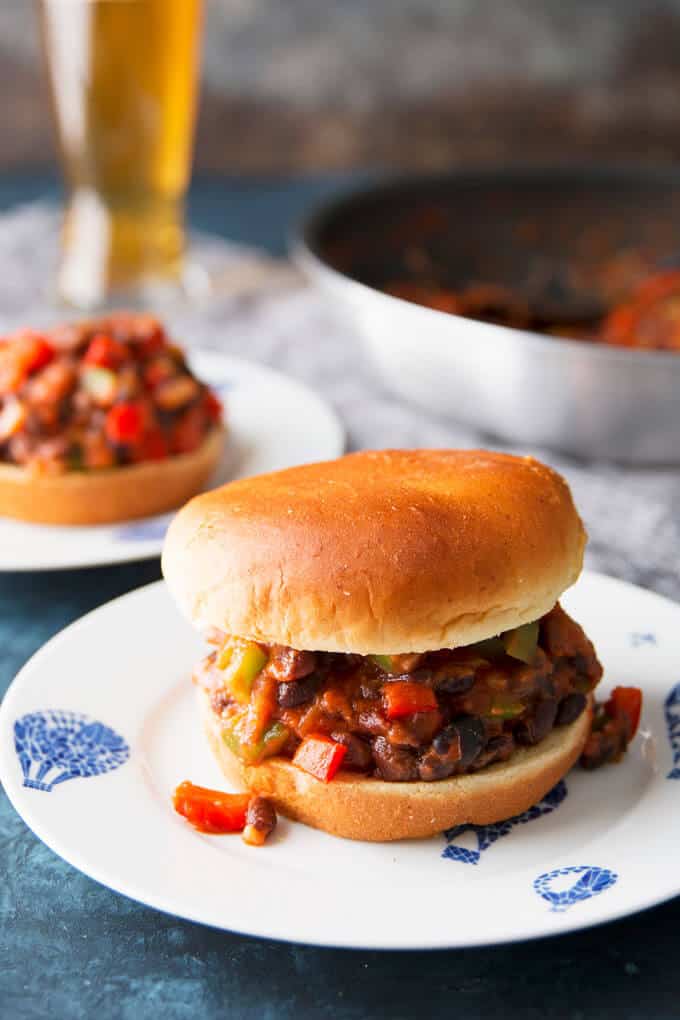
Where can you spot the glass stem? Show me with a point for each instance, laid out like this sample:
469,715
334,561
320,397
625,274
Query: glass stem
111,247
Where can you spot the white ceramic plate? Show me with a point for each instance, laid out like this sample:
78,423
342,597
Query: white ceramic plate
602,845
274,422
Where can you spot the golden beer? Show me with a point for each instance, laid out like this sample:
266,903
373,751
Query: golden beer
124,81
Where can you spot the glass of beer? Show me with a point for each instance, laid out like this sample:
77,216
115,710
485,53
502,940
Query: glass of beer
123,79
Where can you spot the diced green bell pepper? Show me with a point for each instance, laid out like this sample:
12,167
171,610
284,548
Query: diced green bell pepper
504,707
241,661
489,648
251,754
74,458
521,643
383,662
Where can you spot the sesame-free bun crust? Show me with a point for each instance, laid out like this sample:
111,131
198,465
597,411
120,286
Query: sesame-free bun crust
359,807
378,552
116,494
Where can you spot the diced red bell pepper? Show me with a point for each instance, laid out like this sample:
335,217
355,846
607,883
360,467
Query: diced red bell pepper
125,423
211,810
403,697
38,354
626,702
21,355
649,317
154,446
105,352
150,335
320,756
189,431
212,406
158,369
614,725
152,344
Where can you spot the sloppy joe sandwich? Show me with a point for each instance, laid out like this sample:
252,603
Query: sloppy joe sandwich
389,656
100,421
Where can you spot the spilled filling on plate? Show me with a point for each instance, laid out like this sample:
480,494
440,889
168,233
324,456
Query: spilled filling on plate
97,394
405,717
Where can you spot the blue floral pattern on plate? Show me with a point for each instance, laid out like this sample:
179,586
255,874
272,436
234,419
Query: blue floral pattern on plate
225,386
488,834
54,746
591,882
671,709
639,639
145,530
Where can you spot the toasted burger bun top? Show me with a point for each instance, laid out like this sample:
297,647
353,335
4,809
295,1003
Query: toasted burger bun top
378,552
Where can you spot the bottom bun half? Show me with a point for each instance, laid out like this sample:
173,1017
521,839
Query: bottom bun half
359,807
115,494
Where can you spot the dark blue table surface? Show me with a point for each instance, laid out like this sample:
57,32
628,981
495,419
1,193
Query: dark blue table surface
71,949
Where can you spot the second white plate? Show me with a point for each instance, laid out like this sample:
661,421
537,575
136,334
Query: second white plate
274,422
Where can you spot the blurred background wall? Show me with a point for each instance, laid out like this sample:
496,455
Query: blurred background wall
327,84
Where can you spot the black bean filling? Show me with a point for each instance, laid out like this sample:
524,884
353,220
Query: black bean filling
486,705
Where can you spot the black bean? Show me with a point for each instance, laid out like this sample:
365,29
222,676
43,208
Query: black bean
394,764
373,722
261,815
570,709
297,692
468,732
600,749
64,411
443,757
288,664
500,743
414,730
370,691
466,735
580,664
546,684
442,742
539,724
433,766
501,747
122,453
498,748
455,684
358,757
472,736
166,418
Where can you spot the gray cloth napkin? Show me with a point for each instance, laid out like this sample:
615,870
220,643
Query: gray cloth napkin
260,310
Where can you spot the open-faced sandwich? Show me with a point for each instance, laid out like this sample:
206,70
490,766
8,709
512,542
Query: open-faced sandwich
389,654
100,421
